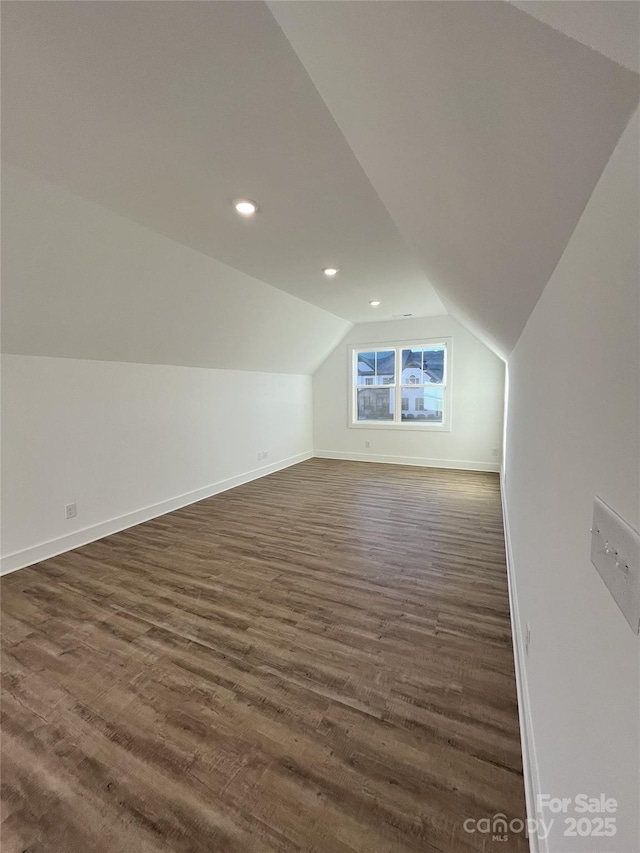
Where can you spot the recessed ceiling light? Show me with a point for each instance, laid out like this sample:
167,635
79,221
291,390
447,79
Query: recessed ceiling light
330,272
374,303
245,207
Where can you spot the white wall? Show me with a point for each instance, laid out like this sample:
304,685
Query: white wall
477,387
138,374
572,433
127,442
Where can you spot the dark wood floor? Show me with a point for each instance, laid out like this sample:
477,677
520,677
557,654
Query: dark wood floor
318,661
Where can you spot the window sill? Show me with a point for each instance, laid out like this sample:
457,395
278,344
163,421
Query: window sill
405,427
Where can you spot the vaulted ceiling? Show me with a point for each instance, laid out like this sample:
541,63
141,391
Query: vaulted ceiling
440,154
167,111
482,130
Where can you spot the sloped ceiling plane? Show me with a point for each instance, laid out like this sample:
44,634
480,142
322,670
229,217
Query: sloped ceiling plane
439,153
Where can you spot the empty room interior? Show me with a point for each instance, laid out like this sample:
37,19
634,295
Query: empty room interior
320,426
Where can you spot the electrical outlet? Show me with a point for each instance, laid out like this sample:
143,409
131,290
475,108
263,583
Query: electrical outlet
367,444
495,451
71,510
527,639
265,454
259,455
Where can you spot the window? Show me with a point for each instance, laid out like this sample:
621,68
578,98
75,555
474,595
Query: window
401,385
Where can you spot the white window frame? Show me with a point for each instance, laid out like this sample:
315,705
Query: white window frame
396,388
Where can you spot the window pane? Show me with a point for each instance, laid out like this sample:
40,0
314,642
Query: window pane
385,367
412,366
376,368
422,365
433,364
366,368
375,404
422,404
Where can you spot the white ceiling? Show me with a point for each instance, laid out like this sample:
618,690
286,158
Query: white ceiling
447,142
166,112
79,281
611,27
483,131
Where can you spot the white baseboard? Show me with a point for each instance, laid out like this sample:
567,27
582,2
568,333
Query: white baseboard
529,760
45,550
409,460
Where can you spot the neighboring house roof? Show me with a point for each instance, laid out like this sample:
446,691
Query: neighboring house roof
433,363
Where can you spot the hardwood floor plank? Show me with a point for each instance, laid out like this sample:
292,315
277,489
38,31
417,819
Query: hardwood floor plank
319,660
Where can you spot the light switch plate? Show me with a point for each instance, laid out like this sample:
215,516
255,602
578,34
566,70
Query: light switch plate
615,552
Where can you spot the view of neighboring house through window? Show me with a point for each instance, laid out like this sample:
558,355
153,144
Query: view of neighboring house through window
404,384
375,369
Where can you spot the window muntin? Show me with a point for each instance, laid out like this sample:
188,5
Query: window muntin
414,377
